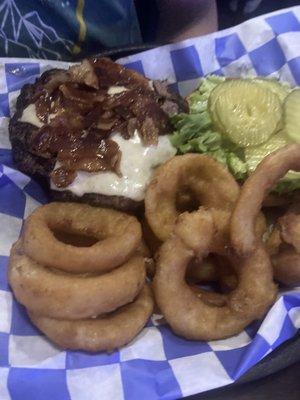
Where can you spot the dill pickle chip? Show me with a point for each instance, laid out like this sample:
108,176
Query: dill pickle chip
246,112
214,95
254,155
276,87
291,115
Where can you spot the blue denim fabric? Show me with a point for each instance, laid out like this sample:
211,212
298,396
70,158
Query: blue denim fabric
63,29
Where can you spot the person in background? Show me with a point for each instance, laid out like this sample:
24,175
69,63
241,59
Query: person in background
234,12
73,29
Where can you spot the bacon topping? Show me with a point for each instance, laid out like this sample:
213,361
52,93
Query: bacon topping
79,116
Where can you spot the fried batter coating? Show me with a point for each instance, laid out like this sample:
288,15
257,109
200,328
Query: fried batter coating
105,333
52,293
118,236
187,314
255,189
208,182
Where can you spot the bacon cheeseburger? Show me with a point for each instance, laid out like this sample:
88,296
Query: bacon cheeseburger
95,132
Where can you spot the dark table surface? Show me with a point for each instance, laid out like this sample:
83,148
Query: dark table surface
276,377
284,384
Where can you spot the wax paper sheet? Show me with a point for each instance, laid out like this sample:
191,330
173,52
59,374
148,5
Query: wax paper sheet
157,364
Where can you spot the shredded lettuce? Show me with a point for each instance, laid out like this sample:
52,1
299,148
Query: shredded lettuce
195,133
289,183
287,186
198,99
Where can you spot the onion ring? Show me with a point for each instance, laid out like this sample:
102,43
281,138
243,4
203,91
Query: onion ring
210,270
274,241
210,183
221,244
105,333
187,315
253,192
144,251
274,200
209,298
284,247
152,242
202,270
63,295
216,270
290,229
213,268
286,266
118,237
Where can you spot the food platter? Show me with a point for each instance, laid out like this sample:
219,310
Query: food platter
285,355
172,214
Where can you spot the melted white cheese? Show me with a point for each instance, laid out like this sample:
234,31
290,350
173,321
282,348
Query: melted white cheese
137,163
29,115
137,166
116,90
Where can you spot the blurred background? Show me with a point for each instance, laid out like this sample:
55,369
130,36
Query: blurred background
73,29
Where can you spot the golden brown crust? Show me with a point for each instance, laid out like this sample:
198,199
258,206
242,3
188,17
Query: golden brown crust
290,229
61,295
253,192
192,317
118,236
286,266
210,183
284,245
101,334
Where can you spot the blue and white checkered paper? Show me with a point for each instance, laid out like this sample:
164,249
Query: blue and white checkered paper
157,364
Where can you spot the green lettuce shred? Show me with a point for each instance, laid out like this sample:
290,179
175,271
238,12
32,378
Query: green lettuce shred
195,133
287,186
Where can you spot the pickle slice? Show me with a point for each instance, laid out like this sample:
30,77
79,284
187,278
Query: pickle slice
291,115
277,88
214,95
254,155
246,112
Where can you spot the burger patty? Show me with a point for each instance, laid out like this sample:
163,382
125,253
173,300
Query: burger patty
95,199
40,166
20,134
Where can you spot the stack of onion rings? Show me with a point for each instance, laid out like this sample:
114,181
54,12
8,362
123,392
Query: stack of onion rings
93,296
104,333
186,312
73,296
208,183
86,292
255,189
191,180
